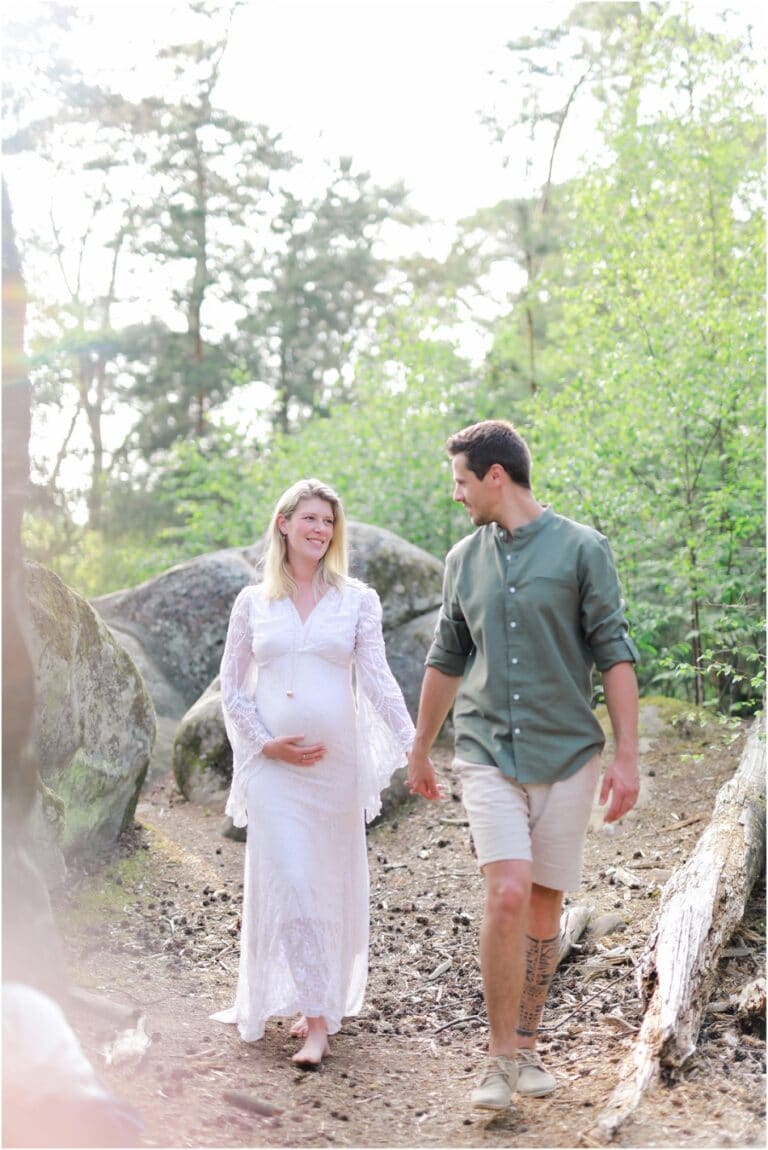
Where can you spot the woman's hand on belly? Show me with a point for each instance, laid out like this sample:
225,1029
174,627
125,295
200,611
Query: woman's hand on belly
292,749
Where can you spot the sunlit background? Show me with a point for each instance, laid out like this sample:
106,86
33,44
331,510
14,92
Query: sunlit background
262,238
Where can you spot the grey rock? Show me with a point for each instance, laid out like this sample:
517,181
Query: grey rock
230,831
167,699
179,619
407,647
202,756
394,796
46,825
94,720
409,584
408,580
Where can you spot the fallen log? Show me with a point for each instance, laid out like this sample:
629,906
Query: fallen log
700,906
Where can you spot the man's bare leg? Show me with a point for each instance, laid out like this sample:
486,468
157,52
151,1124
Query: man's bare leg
541,949
502,949
502,960
542,945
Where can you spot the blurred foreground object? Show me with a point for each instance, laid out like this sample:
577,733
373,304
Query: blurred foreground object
31,949
51,1095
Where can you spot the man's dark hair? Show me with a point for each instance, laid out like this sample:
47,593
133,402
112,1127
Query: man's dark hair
493,441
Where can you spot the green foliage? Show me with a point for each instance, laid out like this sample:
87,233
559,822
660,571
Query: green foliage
382,451
90,562
632,356
658,436
310,299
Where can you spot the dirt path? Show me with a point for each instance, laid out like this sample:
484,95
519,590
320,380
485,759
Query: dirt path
159,930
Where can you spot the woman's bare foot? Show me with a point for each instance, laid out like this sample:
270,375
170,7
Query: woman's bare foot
299,1028
315,1045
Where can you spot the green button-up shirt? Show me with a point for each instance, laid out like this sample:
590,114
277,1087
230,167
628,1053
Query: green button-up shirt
524,620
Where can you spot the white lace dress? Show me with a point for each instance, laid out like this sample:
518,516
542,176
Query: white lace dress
304,937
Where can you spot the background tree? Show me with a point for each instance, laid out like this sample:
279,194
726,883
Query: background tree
311,299
382,449
52,114
211,176
278,339
658,438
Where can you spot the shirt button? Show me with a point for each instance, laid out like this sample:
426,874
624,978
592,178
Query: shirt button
512,590
514,660
515,697
513,624
509,556
517,730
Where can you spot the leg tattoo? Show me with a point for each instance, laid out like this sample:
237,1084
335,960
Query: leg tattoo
540,966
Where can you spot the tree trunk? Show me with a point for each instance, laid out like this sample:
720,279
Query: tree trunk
199,284
31,950
701,905
19,779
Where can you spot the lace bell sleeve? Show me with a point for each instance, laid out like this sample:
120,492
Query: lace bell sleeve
245,730
384,728
374,675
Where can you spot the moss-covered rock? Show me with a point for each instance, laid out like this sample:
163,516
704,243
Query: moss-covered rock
659,714
94,719
202,756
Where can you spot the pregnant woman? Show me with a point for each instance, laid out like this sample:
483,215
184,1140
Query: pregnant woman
317,725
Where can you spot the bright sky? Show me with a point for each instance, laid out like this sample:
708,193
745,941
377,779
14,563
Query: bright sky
396,84
399,86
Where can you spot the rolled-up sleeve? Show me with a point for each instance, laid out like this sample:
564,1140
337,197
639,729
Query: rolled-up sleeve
603,620
452,641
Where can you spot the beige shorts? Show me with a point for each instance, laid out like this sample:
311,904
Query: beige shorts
545,823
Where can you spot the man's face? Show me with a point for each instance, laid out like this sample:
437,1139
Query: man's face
474,493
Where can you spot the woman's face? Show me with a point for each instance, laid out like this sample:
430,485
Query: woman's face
309,530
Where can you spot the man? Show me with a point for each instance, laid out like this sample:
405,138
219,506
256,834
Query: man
531,603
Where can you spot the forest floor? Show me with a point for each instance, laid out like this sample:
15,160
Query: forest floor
158,930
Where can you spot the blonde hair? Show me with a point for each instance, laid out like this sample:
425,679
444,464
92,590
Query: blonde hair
333,567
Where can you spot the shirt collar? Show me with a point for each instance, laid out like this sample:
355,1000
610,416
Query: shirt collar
527,531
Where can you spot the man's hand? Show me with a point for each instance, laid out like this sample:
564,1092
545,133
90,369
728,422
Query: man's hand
622,783
621,780
421,776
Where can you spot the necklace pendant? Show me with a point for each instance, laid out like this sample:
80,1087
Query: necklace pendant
289,694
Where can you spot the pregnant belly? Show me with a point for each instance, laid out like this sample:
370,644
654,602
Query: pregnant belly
321,712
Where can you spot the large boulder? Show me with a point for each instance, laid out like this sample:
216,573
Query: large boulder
174,625
202,756
408,582
178,623
407,648
94,720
